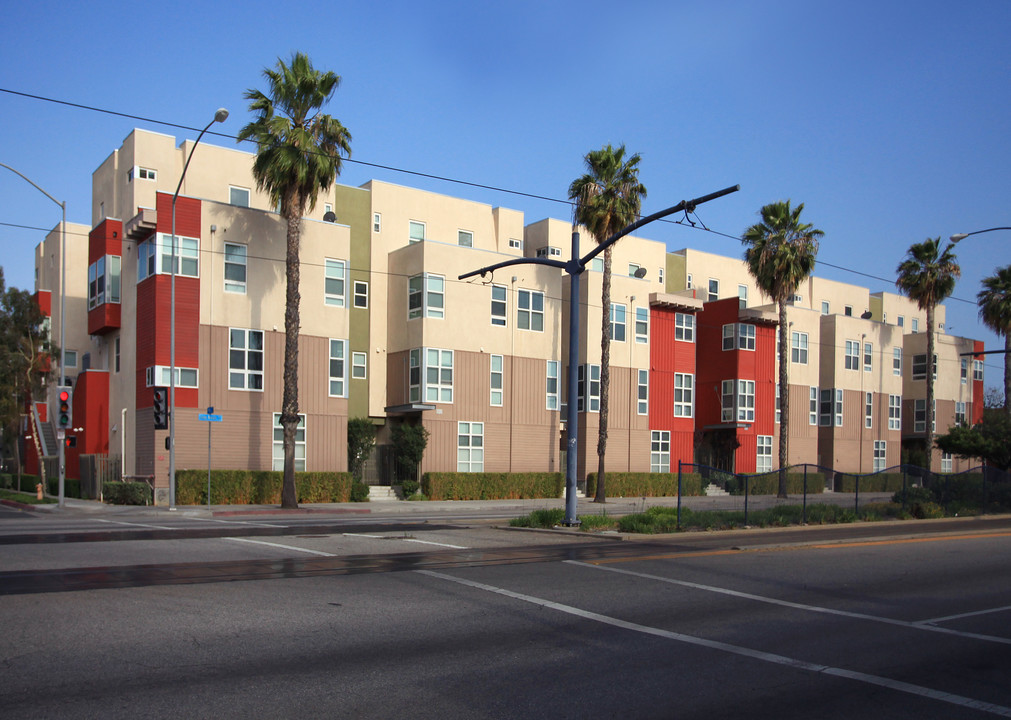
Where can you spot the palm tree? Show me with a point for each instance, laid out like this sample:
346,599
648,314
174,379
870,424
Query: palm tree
994,302
607,198
928,275
780,254
298,155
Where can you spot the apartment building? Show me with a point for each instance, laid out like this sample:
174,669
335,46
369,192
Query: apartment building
388,332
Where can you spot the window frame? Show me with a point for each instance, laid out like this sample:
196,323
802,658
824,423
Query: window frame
684,395
248,352
763,454
232,285
232,189
895,412
500,319
684,327
412,237
474,451
359,365
527,314
462,235
799,344
552,376
588,402
499,375
277,444
360,297
335,299
619,325
337,385
659,451
641,325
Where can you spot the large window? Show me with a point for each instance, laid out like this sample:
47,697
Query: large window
498,305
868,357
960,413
798,348
333,282
642,395
896,361
880,454
684,394
977,370
920,416
160,375
618,322
245,359
894,412
714,290
470,447
963,370
740,405
740,336
831,407
235,268
852,355
416,231
945,462
530,310
868,410
238,196
277,449
551,385
496,380
763,459
920,367
430,375
642,325
338,368
812,406
426,296
659,451
154,256
684,327
588,386
104,279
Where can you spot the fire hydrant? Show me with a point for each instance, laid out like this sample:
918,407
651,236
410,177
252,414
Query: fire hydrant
38,491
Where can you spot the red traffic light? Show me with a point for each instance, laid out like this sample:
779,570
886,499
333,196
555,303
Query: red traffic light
64,396
64,418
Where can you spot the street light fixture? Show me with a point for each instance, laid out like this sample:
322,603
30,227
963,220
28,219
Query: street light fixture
61,453
962,236
575,267
219,116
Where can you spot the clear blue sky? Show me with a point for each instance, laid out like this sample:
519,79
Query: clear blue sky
890,121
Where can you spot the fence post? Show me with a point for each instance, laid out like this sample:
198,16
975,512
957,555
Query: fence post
679,496
804,505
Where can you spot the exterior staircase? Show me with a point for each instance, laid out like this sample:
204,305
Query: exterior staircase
384,493
714,490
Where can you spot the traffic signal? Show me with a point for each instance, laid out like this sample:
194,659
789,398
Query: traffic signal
161,408
64,417
70,441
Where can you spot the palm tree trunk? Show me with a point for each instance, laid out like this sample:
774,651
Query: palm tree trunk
289,403
784,399
1007,374
605,375
930,386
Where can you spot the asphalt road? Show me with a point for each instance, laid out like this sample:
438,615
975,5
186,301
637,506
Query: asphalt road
875,620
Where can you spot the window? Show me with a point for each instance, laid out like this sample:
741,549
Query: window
416,231
880,454
238,196
945,462
920,367
896,361
161,375
333,282
659,276
684,391
338,369
141,173
642,398
277,450
551,385
633,268
245,359
470,447
358,365
763,461
848,310
154,256
831,405
549,251
915,325
104,280
431,375
742,294
70,358
465,238
900,321
516,244
688,281
642,325
824,307
779,405
894,412
798,347
920,416
838,407
729,331
960,413
618,322
852,355
684,327
868,356
530,310
739,406
235,268
115,353
739,335
964,370
498,305
496,380
977,370
812,406
596,264
588,401
414,381
377,222
426,296
361,299
868,409
327,208
714,290
659,451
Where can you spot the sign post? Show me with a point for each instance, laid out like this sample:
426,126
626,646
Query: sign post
210,418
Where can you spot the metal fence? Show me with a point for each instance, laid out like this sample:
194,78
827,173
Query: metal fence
96,470
383,468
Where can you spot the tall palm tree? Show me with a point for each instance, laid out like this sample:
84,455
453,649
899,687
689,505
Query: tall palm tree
298,155
928,275
780,254
607,198
994,302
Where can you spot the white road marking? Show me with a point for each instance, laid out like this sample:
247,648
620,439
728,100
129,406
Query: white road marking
794,663
428,542
123,522
378,537
279,545
797,606
238,522
934,621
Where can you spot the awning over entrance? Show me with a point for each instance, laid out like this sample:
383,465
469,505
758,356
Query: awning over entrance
408,409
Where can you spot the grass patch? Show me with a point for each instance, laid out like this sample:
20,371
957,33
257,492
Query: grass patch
25,498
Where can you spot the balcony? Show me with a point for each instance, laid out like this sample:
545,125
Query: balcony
141,225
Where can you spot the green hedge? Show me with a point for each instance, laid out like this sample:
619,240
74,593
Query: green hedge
491,486
127,493
71,487
768,484
259,487
880,482
28,483
642,484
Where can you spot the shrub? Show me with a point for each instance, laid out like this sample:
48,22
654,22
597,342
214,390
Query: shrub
28,483
913,494
602,521
6,481
644,484
127,493
491,486
543,518
410,487
879,482
768,483
359,492
71,487
259,487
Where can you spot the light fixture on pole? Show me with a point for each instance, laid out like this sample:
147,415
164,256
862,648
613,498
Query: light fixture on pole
219,116
962,236
61,452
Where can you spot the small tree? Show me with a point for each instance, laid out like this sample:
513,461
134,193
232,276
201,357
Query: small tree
361,439
989,440
409,443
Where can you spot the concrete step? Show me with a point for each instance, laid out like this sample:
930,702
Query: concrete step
383,493
714,490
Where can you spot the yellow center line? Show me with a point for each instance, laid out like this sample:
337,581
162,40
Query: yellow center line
906,541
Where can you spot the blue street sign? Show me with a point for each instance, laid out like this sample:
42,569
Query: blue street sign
207,417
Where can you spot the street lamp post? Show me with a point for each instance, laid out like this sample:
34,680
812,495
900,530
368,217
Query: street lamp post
575,267
219,116
61,451
962,236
